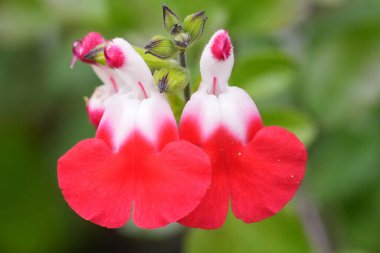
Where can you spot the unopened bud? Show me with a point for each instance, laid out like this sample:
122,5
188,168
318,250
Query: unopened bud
194,25
170,18
171,80
82,48
176,29
182,40
96,55
160,47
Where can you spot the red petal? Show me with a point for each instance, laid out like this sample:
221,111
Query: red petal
267,174
221,47
96,184
95,116
171,184
212,211
90,41
101,186
261,177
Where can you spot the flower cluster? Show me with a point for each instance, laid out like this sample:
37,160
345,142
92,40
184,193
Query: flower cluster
141,164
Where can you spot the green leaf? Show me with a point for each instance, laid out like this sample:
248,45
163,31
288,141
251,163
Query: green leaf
281,233
20,25
264,16
340,81
342,163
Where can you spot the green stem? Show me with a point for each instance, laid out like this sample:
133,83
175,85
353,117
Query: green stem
182,62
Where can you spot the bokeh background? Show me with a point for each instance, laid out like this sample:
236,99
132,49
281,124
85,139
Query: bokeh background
312,66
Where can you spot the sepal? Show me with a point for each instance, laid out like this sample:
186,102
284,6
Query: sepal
171,81
161,47
171,20
194,25
182,40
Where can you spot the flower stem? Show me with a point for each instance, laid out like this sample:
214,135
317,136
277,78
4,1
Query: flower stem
313,224
182,62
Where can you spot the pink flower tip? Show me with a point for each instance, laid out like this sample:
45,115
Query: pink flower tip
85,45
221,47
114,56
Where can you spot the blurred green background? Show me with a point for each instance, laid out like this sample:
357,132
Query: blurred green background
311,66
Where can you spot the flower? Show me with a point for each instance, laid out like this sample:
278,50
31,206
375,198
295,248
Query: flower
257,168
136,162
85,50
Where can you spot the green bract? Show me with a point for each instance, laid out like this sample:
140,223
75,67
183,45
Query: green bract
171,80
171,20
161,47
194,25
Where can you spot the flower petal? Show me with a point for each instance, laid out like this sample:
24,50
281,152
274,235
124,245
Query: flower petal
266,174
232,109
212,211
152,117
258,185
219,125
170,184
97,103
96,183
136,158
100,185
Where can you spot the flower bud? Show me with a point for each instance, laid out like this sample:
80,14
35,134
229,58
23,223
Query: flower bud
171,20
177,28
171,80
194,25
96,55
81,48
160,47
182,40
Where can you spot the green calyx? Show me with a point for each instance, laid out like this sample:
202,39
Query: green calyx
171,80
96,55
194,25
161,47
171,21
187,33
182,40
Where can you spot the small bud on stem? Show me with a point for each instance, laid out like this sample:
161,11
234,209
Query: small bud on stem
182,40
172,80
161,47
171,20
194,25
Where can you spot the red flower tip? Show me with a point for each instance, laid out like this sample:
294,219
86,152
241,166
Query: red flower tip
221,47
84,46
114,56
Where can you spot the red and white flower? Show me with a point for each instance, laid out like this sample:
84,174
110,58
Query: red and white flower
96,104
258,169
136,165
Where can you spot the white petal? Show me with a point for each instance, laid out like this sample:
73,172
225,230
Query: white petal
124,115
153,113
233,109
134,69
211,67
238,110
109,77
100,97
119,119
